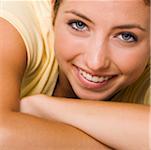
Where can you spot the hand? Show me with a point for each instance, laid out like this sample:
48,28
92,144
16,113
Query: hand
37,105
31,105
28,105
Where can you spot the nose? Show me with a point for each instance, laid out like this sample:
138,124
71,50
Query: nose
97,55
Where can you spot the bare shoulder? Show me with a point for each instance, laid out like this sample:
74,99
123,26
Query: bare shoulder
12,64
11,43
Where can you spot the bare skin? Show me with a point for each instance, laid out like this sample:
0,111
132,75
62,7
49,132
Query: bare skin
101,46
18,130
14,125
108,122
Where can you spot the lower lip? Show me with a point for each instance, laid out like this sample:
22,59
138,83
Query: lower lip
88,84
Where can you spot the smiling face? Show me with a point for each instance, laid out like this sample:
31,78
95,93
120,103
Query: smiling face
101,46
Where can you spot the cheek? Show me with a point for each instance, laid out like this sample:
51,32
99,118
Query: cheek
63,46
67,46
132,62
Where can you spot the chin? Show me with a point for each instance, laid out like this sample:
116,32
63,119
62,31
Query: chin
104,95
92,96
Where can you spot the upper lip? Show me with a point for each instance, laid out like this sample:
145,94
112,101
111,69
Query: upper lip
99,75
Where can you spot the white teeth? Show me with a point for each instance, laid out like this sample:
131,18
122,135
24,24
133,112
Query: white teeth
95,79
91,78
88,76
101,79
106,78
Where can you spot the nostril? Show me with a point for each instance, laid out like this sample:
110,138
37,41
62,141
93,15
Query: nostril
97,56
97,63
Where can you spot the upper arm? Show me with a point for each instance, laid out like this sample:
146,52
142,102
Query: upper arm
12,65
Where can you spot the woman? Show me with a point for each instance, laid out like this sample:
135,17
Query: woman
100,59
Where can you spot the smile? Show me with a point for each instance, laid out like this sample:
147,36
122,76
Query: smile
95,79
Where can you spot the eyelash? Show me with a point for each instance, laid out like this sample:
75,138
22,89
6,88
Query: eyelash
131,37
75,23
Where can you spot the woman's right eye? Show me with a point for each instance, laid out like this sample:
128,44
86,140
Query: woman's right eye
78,25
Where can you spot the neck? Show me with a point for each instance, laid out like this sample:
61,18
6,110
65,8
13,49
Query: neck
63,87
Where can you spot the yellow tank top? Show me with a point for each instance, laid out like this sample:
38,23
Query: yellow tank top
32,19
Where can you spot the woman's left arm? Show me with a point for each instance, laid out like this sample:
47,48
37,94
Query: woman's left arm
118,125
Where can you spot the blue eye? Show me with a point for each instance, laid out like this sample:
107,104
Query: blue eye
127,37
78,25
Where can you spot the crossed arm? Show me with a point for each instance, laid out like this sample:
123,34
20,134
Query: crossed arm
56,126
20,131
118,125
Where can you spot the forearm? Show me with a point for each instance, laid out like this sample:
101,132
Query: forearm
121,126
21,132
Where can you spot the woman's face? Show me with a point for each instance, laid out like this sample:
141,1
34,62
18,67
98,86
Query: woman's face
101,46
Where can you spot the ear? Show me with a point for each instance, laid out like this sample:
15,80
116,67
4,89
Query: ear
52,2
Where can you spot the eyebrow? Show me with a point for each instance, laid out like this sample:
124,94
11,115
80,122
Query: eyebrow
79,15
126,26
130,26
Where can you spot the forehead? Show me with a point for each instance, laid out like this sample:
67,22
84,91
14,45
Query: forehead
127,9
107,3
109,12
132,2
102,0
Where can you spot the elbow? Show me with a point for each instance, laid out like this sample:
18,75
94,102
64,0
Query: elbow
5,137
7,132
